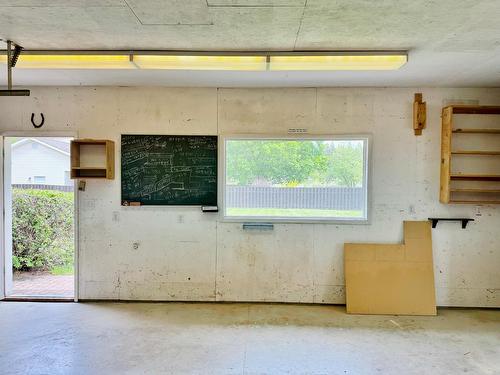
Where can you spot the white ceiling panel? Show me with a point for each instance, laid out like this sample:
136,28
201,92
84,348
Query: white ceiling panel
385,24
66,27
479,32
256,28
171,12
118,28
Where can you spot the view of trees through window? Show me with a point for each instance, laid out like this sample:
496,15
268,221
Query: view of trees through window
295,178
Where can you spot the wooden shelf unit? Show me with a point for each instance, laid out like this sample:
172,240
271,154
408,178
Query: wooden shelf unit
484,193
104,171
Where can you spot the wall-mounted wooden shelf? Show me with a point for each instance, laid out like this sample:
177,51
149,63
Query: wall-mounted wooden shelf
476,131
478,191
485,188
474,202
474,152
92,158
475,177
475,109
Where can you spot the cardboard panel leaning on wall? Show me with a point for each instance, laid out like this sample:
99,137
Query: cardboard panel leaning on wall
392,279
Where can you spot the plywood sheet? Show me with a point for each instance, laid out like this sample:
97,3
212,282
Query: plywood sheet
392,278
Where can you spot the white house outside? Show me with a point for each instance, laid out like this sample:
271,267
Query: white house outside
41,161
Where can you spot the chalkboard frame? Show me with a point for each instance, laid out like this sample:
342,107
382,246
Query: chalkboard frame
128,202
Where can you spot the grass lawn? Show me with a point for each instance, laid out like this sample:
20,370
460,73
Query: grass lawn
62,270
293,212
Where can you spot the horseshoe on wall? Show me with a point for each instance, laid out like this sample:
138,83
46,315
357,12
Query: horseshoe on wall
33,121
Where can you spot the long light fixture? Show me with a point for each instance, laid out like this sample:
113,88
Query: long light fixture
340,62
200,62
73,61
239,61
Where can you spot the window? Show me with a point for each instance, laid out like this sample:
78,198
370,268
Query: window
296,179
39,180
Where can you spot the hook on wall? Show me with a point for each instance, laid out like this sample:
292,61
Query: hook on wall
33,121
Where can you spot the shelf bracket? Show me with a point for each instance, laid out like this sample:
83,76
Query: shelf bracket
463,220
419,114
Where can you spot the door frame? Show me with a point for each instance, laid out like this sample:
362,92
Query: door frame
76,256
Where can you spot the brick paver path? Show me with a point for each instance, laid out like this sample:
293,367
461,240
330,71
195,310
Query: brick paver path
42,284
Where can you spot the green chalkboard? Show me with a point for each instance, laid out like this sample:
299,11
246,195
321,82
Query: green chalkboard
169,170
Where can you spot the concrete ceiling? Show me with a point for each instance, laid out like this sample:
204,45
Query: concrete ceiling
451,42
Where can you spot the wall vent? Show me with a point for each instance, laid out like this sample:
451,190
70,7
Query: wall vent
297,130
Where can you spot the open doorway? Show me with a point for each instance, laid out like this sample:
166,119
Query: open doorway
39,228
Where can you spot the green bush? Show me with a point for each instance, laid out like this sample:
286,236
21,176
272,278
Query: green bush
42,229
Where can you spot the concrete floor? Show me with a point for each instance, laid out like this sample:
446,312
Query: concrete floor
178,338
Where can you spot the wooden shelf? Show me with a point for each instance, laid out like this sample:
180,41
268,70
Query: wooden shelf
88,173
88,168
475,191
481,196
473,202
475,177
104,147
476,131
475,109
475,152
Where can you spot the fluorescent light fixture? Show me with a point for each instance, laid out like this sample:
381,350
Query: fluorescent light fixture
200,62
72,61
185,60
338,62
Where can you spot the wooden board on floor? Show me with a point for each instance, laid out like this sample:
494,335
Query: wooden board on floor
392,278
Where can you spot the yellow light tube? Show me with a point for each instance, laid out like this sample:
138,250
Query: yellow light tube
338,62
72,62
200,62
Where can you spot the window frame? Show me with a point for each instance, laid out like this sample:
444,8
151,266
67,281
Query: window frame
367,177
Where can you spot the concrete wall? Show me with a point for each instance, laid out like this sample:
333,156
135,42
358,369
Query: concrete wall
173,253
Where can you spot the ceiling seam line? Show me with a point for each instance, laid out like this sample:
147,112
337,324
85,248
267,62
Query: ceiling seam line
135,15
164,24
300,25
255,6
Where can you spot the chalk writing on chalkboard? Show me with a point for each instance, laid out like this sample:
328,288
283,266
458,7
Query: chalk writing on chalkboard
169,170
